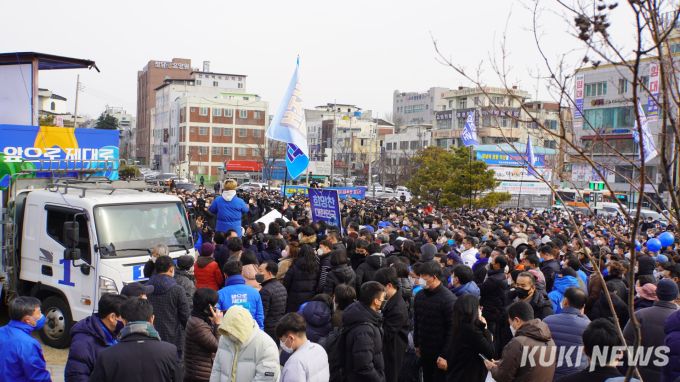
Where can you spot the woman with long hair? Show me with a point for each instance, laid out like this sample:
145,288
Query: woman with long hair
289,255
408,249
251,268
301,279
470,338
201,335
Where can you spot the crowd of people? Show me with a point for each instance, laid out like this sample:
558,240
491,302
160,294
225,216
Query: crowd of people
397,292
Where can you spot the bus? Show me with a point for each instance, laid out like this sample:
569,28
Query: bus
581,198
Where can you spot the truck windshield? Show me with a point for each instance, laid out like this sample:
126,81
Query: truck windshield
132,228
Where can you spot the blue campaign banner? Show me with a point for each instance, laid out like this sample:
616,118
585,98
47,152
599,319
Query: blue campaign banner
325,205
343,192
490,157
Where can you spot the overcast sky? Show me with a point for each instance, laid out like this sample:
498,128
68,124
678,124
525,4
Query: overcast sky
355,52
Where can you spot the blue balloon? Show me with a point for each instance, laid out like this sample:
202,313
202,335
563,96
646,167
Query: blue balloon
484,238
604,231
653,245
666,239
638,246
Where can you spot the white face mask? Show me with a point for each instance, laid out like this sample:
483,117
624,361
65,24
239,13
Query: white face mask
435,226
512,330
319,252
423,283
420,211
153,259
412,281
616,251
300,236
285,348
426,226
516,230
284,253
462,247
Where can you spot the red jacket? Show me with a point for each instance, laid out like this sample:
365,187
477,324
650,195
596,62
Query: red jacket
207,273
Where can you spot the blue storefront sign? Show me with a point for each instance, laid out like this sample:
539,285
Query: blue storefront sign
325,205
491,158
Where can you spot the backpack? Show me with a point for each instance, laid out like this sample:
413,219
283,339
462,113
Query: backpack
334,344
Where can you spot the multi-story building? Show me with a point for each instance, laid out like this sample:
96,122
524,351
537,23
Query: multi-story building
319,138
52,104
148,79
606,127
415,108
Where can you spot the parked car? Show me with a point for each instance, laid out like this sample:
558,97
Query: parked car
388,196
186,186
653,214
402,189
389,189
252,185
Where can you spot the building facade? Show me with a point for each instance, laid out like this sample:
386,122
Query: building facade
148,79
413,108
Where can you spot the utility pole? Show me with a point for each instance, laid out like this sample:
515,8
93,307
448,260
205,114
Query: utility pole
370,158
332,144
381,154
75,115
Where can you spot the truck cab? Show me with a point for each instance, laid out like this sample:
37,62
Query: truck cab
67,243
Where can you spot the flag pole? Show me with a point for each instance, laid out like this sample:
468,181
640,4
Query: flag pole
470,198
285,180
519,197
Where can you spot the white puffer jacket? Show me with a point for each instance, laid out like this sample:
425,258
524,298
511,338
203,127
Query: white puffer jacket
245,353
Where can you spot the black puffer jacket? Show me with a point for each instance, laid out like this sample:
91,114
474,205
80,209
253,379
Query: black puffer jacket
433,321
170,309
324,268
396,325
187,280
491,293
301,286
363,358
407,294
366,271
338,275
601,308
274,297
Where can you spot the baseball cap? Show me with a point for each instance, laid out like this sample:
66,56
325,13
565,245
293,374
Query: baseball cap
290,230
454,256
136,290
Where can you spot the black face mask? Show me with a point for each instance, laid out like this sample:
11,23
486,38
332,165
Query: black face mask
522,293
259,278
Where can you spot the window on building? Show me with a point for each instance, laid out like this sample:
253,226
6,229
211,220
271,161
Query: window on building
426,107
243,113
226,132
414,145
198,82
623,86
424,143
202,150
613,117
462,103
403,145
228,112
362,142
258,114
257,133
451,104
217,112
549,143
216,150
203,111
363,156
551,124
461,123
504,121
53,106
596,89
226,151
674,48
242,151
202,130
240,85
476,101
217,131
497,100
216,84
242,132
246,98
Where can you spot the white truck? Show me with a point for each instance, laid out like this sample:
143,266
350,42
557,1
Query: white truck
67,241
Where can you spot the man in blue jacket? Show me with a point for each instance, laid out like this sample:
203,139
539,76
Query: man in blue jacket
236,292
21,357
229,208
567,329
93,334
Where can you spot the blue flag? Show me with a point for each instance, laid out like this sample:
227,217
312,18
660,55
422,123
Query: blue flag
469,135
530,158
649,151
289,126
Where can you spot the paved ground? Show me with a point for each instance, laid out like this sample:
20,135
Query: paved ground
55,358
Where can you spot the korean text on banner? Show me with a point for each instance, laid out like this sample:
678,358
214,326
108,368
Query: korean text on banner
343,192
469,135
578,99
652,106
289,125
325,205
649,150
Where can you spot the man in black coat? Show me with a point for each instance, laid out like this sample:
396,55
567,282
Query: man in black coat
550,266
274,296
396,323
170,304
361,352
433,322
492,292
140,356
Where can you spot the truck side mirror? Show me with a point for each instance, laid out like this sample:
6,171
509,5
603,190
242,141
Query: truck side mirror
71,234
71,254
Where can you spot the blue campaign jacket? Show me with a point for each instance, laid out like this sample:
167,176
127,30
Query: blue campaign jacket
89,339
21,355
557,294
236,292
469,288
228,211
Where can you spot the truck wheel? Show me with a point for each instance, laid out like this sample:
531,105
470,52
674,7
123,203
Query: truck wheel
58,323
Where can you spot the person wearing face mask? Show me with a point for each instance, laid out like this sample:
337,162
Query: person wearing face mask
273,295
308,361
229,208
363,359
529,333
158,251
549,267
185,276
139,355
433,322
468,251
396,323
492,292
91,335
170,304
202,336
324,255
376,260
